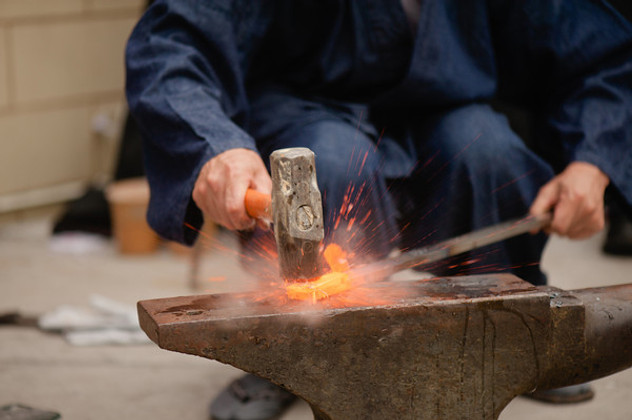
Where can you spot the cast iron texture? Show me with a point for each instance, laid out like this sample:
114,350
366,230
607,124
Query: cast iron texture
452,348
297,211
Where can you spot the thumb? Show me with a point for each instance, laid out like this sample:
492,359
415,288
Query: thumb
261,181
547,197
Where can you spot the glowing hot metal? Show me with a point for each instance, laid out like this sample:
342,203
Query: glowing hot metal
337,281
341,278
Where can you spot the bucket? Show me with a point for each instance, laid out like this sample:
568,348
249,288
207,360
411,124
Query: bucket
128,200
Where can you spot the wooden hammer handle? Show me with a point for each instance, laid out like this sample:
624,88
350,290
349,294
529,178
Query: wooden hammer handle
258,204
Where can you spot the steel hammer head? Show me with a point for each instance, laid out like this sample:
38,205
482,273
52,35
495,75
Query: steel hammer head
297,212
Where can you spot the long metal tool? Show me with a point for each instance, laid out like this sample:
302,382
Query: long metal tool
419,257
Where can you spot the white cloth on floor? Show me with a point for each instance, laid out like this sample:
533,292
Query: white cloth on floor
105,321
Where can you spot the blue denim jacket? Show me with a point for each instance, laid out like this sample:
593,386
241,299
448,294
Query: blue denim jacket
193,67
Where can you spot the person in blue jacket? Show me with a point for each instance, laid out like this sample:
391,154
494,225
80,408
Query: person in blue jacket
401,102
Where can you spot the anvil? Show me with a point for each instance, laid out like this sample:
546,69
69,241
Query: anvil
446,348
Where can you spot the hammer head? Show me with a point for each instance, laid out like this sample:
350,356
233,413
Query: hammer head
297,212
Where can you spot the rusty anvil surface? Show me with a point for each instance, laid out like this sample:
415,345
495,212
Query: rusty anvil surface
452,348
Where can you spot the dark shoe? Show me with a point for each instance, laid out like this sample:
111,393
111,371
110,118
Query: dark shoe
567,395
251,398
23,412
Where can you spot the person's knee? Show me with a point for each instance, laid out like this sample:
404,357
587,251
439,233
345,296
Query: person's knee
471,132
343,155
477,141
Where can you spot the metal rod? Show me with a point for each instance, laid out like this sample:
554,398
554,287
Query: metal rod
455,246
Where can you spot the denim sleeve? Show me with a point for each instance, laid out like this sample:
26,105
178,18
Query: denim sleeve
186,62
573,60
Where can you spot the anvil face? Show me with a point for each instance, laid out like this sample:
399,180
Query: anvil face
459,347
211,308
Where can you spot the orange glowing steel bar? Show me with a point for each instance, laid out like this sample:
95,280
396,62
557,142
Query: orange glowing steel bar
325,286
332,283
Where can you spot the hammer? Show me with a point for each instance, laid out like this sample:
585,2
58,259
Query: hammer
295,209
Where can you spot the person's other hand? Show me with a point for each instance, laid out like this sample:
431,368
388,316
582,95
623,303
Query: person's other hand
576,197
221,186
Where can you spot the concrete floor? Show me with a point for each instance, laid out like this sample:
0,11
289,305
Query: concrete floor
144,382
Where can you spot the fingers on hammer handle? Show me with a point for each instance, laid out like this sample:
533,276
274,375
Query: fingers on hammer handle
258,204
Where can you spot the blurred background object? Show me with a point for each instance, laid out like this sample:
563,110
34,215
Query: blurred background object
61,97
64,123
128,200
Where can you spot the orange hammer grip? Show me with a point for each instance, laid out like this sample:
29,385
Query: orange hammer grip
258,204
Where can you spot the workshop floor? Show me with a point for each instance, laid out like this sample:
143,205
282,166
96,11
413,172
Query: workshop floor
143,382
